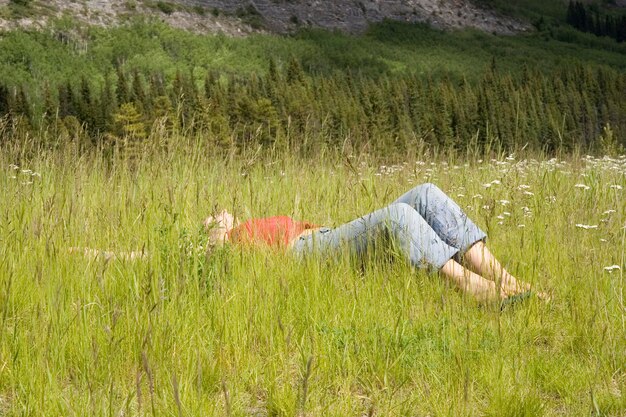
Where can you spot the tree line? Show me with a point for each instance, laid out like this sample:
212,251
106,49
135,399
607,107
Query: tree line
587,18
559,110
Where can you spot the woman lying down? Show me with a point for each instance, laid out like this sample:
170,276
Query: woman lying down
428,227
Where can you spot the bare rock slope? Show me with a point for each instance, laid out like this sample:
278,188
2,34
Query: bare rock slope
354,15
240,17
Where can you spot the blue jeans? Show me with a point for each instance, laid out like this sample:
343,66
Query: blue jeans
425,224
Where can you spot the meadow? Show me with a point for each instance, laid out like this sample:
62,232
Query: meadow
240,331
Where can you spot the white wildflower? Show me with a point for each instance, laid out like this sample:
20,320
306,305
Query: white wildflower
527,212
504,202
506,213
523,187
13,166
528,193
460,195
26,171
608,212
486,207
36,174
583,186
487,185
616,187
496,182
500,217
603,240
586,226
500,222
612,268
521,226
479,196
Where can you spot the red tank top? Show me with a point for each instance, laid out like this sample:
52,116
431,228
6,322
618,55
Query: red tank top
273,231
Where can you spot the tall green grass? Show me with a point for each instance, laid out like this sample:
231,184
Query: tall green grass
247,331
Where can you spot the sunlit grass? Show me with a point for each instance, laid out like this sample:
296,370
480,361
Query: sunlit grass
255,332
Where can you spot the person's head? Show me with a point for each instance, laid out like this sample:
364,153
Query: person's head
218,226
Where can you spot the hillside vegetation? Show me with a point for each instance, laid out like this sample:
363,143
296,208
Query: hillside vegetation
398,87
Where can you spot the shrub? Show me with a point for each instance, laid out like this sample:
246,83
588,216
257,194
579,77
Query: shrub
165,7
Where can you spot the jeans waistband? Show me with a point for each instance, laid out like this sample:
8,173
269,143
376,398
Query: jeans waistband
321,230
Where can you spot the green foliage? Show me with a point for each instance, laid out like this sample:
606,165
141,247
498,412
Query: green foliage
589,19
396,86
250,15
130,5
609,145
199,10
559,111
129,122
532,10
18,9
165,7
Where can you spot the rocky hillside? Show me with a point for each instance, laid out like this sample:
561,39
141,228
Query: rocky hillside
239,17
354,15
37,14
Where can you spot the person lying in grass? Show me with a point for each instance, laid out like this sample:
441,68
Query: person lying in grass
428,227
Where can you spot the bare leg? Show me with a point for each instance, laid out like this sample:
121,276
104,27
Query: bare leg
469,282
480,259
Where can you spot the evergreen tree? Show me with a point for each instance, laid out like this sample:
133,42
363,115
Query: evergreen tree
295,74
49,105
107,106
138,94
86,106
4,100
19,105
123,95
130,122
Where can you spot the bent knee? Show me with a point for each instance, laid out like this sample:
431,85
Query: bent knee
428,187
400,212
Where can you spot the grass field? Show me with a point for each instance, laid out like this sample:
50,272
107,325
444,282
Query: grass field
254,332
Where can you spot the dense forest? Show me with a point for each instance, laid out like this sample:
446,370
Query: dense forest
134,85
561,110
588,18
